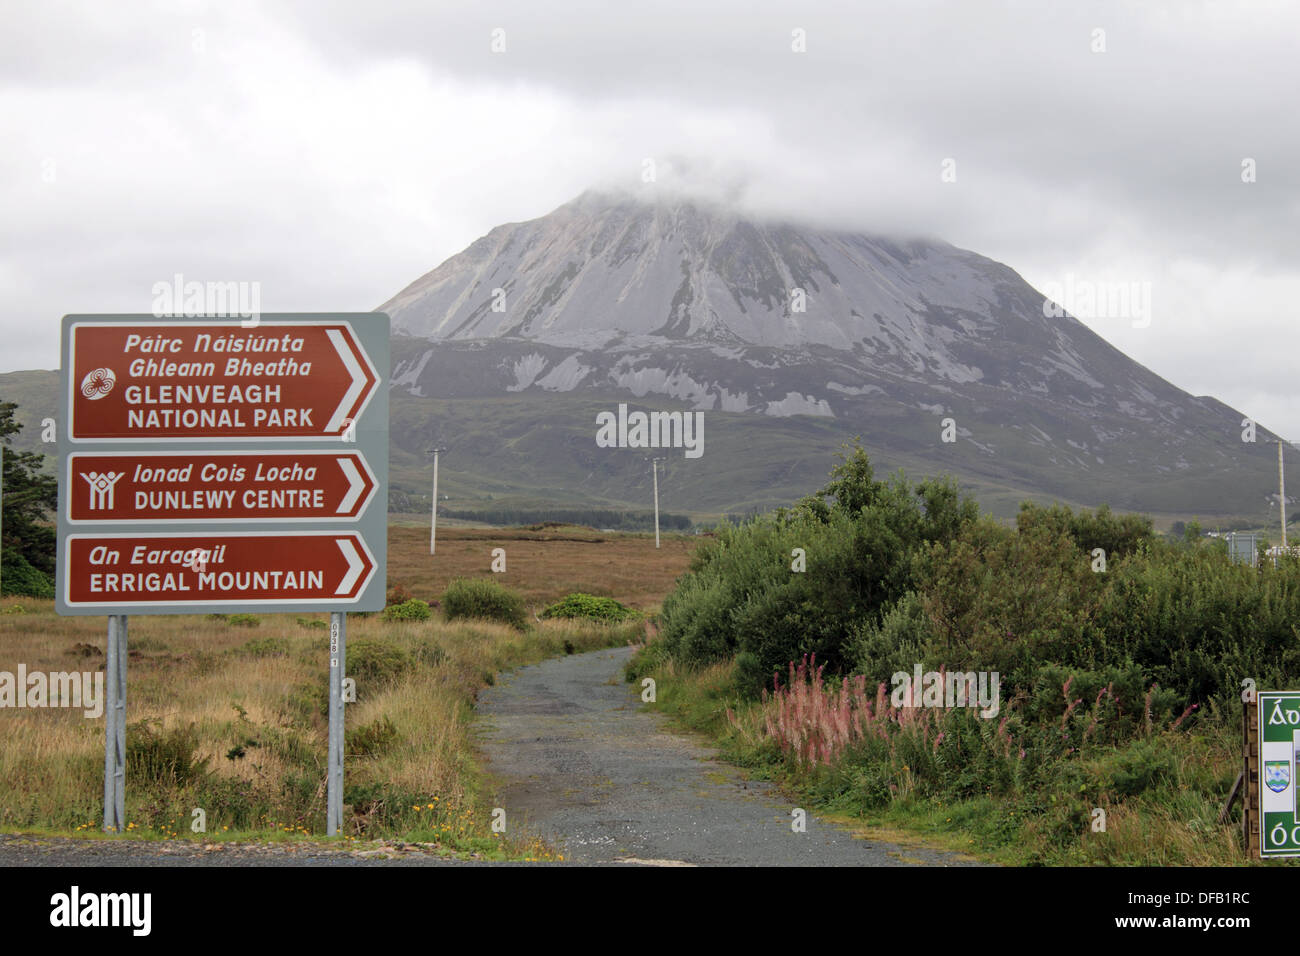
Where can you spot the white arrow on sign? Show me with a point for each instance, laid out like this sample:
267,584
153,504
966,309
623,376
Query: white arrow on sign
355,565
355,484
358,379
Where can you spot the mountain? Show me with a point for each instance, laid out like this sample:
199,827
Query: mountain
686,305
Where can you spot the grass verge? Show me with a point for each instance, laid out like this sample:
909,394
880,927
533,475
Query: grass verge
1161,796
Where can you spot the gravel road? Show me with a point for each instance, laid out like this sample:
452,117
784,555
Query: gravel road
580,761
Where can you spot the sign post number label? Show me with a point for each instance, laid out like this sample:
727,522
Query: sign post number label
1279,759
261,450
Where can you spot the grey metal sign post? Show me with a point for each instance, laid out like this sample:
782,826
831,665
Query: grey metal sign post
115,726
334,780
207,465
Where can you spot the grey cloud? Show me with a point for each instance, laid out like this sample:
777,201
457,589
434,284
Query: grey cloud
1063,155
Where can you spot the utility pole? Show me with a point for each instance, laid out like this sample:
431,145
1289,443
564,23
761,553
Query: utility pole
433,509
1281,493
654,468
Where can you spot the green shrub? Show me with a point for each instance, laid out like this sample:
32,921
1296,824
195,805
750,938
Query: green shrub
312,625
484,598
1197,623
244,620
1142,766
697,619
231,799
380,808
879,648
375,662
1003,600
590,607
310,699
266,647
167,757
750,673
19,577
410,610
807,580
790,614
1115,534
371,740
895,574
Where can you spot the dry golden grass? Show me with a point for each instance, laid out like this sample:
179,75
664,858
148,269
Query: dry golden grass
196,673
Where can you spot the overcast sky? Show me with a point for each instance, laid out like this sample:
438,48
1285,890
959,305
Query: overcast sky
335,151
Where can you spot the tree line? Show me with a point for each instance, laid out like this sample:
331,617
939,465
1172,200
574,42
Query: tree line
30,498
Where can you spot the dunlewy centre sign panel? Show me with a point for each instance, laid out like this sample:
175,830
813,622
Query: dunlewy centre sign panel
208,465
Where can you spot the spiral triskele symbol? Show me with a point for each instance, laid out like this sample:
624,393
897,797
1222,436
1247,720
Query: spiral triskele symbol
98,383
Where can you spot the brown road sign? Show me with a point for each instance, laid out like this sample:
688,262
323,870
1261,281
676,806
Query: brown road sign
271,434
217,486
246,569
150,381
